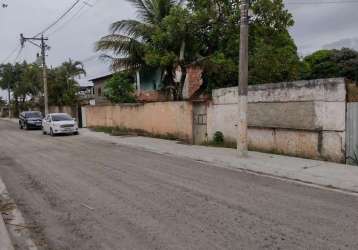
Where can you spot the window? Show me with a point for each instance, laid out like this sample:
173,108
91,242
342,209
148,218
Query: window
33,115
99,91
61,117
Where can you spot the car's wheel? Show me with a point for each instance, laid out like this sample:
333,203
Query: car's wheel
51,132
76,133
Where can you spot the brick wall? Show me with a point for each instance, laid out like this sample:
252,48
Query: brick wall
193,81
151,96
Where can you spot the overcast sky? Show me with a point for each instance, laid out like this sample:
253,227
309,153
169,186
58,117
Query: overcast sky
316,26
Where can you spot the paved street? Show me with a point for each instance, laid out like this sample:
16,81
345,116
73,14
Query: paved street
85,193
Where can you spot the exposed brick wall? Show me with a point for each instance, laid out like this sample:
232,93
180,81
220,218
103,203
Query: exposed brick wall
151,96
193,81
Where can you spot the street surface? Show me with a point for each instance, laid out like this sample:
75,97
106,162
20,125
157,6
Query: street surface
84,193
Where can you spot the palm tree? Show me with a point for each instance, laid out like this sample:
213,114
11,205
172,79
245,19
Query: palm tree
73,68
129,37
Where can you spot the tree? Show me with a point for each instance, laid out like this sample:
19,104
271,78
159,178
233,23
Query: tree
331,63
272,52
24,80
159,40
205,33
174,47
119,89
63,87
129,37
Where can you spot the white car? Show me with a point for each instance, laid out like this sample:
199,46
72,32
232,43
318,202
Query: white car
59,123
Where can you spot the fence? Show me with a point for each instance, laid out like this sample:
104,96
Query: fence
164,118
305,118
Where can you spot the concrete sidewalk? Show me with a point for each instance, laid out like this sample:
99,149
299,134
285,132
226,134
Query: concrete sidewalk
318,173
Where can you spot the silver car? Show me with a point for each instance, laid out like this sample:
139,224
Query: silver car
59,123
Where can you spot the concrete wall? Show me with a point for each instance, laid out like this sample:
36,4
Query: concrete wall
72,111
305,118
157,117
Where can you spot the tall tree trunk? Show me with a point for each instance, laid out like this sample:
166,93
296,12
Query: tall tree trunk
183,70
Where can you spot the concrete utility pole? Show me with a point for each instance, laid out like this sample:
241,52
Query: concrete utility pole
44,72
242,140
9,98
43,48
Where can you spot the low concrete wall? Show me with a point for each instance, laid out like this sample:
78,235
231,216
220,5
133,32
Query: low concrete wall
305,118
157,117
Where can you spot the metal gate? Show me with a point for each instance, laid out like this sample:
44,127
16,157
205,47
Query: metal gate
199,122
352,133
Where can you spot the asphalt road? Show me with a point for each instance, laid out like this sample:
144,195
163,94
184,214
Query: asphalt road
84,193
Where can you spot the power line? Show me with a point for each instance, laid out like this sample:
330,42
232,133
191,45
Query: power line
58,19
18,54
11,54
78,13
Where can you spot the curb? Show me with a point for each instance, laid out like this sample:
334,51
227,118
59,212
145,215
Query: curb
5,241
13,236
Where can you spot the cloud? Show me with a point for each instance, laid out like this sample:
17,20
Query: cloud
343,43
316,27
321,24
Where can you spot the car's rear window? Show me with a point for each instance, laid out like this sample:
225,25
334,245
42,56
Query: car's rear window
58,118
33,115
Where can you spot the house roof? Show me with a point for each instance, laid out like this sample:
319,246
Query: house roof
99,78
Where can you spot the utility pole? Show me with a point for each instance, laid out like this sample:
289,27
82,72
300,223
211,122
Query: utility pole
43,48
242,139
9,98
44,72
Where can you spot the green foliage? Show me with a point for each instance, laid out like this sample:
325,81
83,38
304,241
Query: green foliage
171,36
218,137
24,81
331,63
119,89
26,84
62,86
272,52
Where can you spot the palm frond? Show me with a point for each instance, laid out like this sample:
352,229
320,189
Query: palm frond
122,63
132,28
143,10
120,45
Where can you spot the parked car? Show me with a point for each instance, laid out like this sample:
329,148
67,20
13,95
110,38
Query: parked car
59,123
30,119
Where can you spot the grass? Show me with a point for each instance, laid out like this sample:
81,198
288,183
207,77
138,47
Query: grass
123,131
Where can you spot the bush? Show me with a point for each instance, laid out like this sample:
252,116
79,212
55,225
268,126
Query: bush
120,88
218,137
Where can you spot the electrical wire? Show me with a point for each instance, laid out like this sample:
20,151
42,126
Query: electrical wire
18,54
77,14
58,19
11,54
